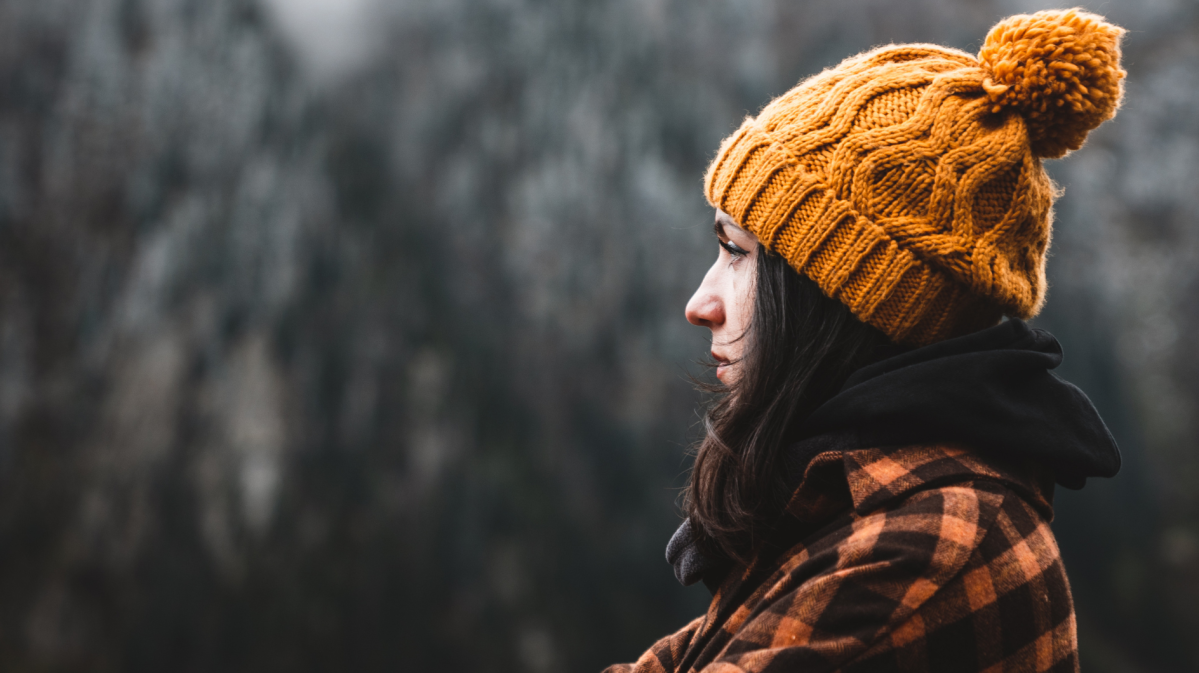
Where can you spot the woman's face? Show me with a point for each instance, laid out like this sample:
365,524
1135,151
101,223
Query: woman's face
725,299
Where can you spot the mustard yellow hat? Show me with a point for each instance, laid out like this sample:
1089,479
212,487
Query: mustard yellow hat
907,181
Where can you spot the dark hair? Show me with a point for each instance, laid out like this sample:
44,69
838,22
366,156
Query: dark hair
800,348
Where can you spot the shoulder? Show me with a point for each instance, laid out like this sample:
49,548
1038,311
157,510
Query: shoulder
1002,598
936,545
919,509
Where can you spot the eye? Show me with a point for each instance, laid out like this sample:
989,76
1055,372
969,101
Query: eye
734,249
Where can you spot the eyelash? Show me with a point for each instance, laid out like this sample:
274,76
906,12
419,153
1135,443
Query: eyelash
733,249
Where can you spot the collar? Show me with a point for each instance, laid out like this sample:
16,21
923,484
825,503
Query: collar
865,480
879,477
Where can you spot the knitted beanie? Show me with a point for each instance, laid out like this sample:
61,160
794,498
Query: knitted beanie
907,181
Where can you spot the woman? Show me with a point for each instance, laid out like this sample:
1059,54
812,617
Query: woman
875,487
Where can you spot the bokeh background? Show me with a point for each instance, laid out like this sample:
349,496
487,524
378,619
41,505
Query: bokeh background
347,334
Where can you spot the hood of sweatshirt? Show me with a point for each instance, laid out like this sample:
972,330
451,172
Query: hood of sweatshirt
993,391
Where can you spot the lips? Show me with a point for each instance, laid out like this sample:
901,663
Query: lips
722,365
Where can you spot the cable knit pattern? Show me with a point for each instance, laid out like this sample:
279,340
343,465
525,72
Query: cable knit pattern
907,181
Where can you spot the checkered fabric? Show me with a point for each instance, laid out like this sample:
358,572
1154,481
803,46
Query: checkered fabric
919,558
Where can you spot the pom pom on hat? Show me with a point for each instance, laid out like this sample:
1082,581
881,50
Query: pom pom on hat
1060,70
906,182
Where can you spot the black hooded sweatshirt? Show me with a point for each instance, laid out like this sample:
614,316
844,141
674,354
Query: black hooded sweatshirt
992,390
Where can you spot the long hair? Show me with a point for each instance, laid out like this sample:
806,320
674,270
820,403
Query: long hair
800,347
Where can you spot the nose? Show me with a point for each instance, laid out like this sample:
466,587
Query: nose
705,307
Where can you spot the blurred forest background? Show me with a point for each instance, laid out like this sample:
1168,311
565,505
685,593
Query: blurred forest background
348,334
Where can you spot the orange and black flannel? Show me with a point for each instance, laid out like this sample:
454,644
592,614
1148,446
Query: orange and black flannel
919,558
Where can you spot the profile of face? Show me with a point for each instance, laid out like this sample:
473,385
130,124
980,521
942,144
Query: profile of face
724,300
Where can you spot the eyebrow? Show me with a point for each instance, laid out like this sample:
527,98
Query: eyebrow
718,227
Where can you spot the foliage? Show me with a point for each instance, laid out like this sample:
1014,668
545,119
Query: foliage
385,368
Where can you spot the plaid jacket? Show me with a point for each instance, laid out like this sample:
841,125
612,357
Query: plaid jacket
920,558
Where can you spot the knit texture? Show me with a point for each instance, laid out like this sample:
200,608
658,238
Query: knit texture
907,181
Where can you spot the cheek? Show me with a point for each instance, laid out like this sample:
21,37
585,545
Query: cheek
742,296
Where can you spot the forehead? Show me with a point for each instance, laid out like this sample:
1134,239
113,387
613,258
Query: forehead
725,221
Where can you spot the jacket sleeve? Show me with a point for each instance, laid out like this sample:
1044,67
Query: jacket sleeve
835,602
664,656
